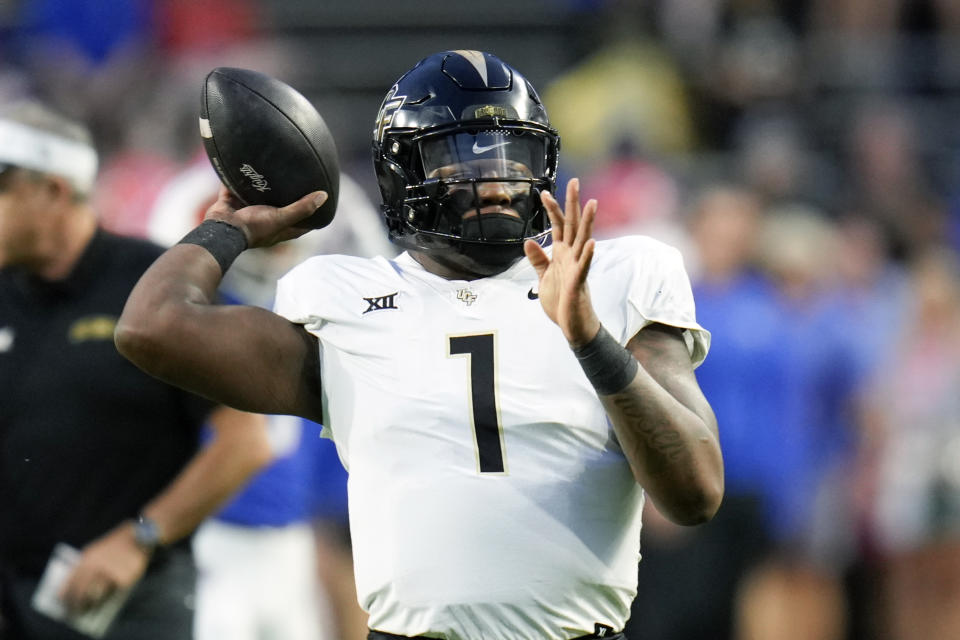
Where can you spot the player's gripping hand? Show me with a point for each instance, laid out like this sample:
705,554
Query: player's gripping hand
113,561
264,225
563,277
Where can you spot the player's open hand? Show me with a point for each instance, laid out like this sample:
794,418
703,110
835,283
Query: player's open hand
264,225
563,276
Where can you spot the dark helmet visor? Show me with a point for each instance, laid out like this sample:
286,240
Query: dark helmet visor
509,155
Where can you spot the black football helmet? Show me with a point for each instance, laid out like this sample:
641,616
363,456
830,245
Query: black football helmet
462,149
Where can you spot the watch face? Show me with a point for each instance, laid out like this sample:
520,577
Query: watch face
146,534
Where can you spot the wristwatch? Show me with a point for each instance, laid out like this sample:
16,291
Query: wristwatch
146,533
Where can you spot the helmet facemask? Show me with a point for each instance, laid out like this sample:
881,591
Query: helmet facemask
476,192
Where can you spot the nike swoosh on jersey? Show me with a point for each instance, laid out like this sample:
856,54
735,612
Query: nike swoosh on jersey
477,149
532,295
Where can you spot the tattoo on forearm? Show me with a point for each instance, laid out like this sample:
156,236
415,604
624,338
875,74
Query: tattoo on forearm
656,442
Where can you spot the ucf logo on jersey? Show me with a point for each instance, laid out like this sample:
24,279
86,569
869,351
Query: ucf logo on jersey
466,296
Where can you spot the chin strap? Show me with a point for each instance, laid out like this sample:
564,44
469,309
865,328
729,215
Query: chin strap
476,260
492,226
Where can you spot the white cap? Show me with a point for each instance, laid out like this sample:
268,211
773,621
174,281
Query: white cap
29,148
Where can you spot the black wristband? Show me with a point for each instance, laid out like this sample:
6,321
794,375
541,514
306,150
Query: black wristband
223,240
608,365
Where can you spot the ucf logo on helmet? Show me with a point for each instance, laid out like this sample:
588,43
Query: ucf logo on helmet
391,104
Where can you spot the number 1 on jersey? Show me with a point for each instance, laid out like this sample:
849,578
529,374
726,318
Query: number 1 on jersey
487,430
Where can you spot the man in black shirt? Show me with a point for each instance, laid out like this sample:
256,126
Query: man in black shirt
93,452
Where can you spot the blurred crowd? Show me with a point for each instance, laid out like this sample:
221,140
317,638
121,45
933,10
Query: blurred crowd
802,154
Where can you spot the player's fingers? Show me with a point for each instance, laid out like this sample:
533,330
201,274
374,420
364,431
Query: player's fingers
586,257
228,200
571,213
305,206
234,203
224,202
555,215
225,195
585,230
537,256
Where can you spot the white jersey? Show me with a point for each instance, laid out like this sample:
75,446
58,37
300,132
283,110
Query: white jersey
489,497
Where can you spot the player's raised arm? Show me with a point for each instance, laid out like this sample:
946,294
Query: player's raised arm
665,426
244,357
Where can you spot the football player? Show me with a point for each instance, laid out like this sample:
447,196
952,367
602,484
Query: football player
504,393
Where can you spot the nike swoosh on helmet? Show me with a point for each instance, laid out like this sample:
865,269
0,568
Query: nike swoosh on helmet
477,149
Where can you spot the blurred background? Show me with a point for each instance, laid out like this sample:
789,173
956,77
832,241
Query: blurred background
804,155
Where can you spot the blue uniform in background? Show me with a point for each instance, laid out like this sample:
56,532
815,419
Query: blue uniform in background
306,484
257,557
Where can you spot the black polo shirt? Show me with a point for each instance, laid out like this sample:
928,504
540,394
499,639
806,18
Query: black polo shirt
86,438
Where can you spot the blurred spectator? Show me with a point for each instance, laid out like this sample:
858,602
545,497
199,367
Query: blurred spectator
869,298
752,59
627,90
871,291
773,156
87,33
639,197
757,61
95,454
797,591
854,44
686,569
912,420
888,180
131,181
740,304
205,25
947,38
691,28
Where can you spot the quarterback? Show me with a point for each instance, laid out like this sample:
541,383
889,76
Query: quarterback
504,393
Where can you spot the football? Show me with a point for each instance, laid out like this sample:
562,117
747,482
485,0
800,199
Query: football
267,143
